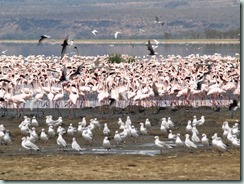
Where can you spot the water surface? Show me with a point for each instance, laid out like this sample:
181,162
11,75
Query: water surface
47,49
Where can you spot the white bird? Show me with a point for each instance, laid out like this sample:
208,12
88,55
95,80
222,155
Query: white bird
24,129
43,136
96,123
143,130
214,140
156,44
80,128
2,128
194,121
86,136
163,129
34,135
134,132
106,143
171,135
220,145
3,52
188,142
179,143
225,125
235,129
27,144
147,123
195,137
156,41
34,122
235,142
106,130
188,126
124,134
120,122
229,136
71,130
165,123
60,129
117,137
170,123
94,32
205,140
116,34
75,145
199,122
2,134
51,132
7,139
128,121
161,144
50,121
25,122
194,129
60,141
83,122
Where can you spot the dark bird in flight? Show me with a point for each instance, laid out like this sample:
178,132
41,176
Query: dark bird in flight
150,48
132,44
77,72
43,37
158,22
77,51
64,46
63,76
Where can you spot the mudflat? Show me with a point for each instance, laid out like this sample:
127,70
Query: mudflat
136,159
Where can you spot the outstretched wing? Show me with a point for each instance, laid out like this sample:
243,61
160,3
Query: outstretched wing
150,48
64,45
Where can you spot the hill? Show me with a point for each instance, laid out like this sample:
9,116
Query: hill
28,19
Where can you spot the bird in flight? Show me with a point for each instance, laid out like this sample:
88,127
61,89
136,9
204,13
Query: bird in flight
157,21
77,51
3,52
132,44
64,46
43,37
77,72
64,76
116,34
150,48
94,32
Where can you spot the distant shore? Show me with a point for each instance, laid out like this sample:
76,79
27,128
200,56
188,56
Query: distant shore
134,41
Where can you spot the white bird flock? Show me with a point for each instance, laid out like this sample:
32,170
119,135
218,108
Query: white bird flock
85,134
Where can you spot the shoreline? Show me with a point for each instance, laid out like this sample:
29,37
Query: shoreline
134,41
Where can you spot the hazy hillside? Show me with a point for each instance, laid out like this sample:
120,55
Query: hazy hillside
28,19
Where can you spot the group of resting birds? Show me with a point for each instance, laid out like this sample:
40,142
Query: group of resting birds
125,131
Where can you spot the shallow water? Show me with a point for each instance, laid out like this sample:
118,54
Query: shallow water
26,49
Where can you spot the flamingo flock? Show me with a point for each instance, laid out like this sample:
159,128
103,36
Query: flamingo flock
88,81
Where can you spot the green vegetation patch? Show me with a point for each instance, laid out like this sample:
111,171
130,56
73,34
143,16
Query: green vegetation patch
118,58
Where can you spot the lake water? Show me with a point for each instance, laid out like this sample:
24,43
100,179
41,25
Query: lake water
26,49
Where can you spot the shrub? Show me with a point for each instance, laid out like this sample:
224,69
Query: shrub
118,58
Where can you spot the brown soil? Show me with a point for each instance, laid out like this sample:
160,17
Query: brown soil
183,164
